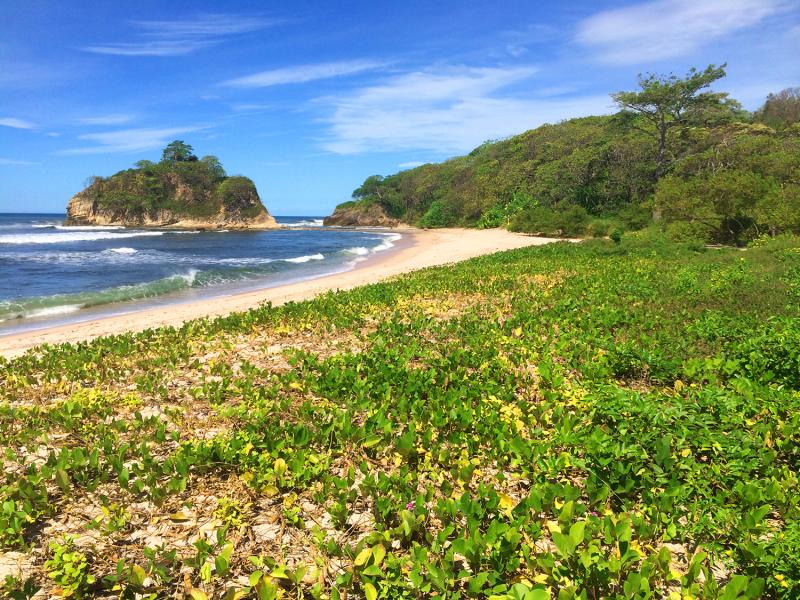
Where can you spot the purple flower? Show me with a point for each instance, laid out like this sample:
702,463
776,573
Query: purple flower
410,505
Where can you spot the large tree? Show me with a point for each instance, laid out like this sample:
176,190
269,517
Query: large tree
178,151
666,103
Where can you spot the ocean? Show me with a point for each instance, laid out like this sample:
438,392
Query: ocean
50,273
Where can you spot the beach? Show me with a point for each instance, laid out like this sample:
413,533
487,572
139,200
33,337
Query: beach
417,249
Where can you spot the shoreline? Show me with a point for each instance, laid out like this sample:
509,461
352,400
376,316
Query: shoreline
417,249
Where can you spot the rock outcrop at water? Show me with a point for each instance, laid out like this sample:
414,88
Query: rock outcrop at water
178,193
352,214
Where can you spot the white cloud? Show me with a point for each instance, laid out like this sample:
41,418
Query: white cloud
410,164
10,162
181,37
667,28
443,111
130,140
16,123
116,119
303,73
157,48
206,26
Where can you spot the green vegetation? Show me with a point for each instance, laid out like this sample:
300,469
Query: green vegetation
657,157
610,419
180,183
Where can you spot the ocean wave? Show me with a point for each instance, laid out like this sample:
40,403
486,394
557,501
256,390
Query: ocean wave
88,227
304,223
389,240
66,303
358,251
304,259
122,250
69,237
27,225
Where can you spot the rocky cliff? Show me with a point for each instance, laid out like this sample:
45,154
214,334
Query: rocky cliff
357,214
176,195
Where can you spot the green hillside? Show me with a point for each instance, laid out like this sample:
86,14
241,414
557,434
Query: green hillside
723,174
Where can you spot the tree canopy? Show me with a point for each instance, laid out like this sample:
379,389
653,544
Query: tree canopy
178,151
667,102
781,109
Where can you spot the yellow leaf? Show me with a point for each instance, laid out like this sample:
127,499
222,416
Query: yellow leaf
370,592
179,516
197,594
506,502
686,452
541,578
362,557
518,332
378,551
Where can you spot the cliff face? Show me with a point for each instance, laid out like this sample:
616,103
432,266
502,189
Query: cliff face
180,198
359,215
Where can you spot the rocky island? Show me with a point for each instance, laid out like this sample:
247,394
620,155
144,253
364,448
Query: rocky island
181,192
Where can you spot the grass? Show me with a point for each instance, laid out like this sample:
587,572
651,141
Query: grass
602,420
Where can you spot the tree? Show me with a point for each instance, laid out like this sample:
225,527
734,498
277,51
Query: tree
214,166
145,165
667,103
370,187
781,109
178,151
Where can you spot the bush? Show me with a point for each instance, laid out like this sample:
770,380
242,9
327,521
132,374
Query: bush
685,231
635,217
438,215
570,222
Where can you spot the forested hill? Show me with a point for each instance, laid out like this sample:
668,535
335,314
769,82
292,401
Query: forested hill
723,174
180,191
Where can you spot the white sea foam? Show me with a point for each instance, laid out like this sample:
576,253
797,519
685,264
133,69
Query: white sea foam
123,250
85,227
358,251
304,259
50,311
388,242
304,223
190,277
67,237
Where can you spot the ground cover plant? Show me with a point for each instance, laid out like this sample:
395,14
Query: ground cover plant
610,419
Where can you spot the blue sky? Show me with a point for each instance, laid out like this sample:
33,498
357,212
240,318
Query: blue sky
309,98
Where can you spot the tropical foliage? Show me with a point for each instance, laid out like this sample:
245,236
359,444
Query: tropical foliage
594,420
180,182
688,156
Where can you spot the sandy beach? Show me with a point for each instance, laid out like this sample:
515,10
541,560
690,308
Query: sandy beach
417,250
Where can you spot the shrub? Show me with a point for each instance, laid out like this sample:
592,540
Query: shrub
438,215
571,222
685,231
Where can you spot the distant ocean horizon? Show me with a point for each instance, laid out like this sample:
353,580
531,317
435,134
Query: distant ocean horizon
52,273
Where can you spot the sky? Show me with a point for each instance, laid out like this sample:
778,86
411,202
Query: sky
309,98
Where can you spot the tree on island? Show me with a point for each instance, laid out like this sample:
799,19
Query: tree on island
178,151
214,166
667,103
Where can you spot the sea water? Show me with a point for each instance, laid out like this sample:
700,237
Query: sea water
50,271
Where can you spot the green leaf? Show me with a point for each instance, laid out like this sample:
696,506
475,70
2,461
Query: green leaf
576,532
372,440
564,544
62,479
